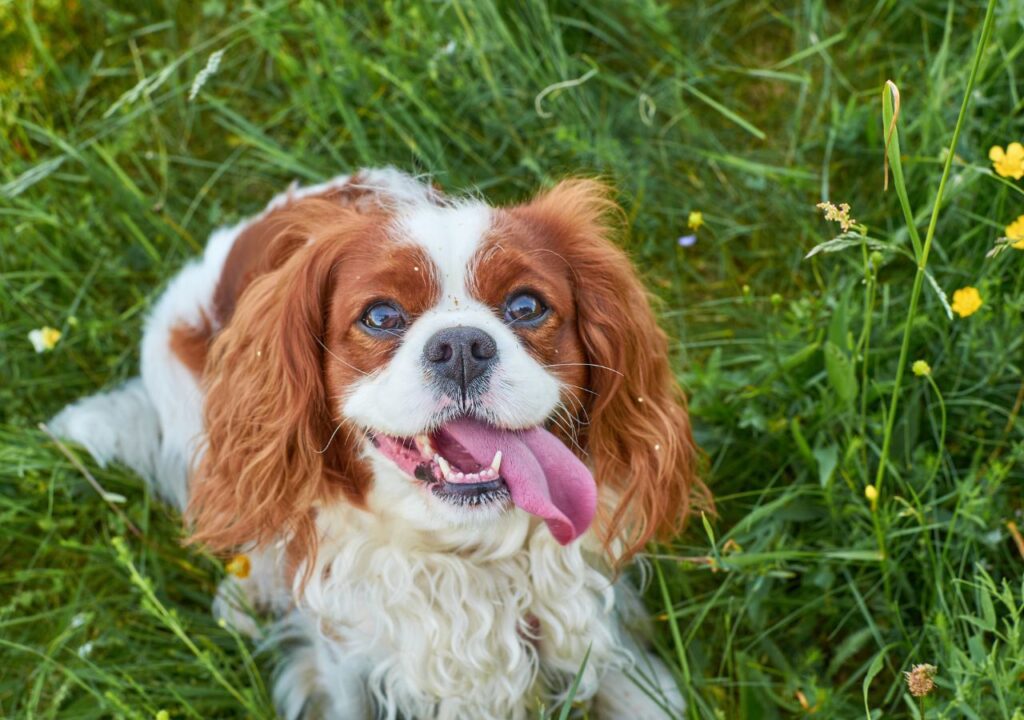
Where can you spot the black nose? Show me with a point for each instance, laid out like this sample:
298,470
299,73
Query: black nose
457,356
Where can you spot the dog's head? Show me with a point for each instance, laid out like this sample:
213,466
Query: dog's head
456,359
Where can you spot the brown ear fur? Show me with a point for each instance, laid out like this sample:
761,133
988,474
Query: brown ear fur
638,439
272,448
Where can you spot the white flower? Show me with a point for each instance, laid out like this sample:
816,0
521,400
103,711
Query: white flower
44,338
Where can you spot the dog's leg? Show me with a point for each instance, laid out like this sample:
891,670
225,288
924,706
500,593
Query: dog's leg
316,679
152,423
119,425
647,691
263,590
643,689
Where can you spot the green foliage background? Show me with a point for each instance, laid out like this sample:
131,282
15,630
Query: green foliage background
749,111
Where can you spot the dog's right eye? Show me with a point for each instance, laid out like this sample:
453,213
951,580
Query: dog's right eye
384,317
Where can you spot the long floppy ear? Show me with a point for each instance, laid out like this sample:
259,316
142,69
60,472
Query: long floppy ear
638,439
273,449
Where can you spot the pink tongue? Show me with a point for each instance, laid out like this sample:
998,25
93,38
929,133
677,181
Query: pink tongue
543,476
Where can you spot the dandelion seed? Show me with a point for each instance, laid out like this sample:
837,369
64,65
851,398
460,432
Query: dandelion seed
921,368
44,339
966,301
1008,163
687,241
239,566
921,679
696,220
839,214
205,74
1015,233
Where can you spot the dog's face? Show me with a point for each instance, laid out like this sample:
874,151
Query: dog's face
459,360
479,335
465,331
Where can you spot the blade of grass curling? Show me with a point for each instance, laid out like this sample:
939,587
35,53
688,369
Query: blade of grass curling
915,293
892,160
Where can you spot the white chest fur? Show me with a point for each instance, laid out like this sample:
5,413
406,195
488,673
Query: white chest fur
492,627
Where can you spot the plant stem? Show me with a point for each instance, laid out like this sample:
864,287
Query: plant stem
922,261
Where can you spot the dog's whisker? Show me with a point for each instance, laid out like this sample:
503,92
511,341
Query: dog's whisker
328,351
593,365
330,439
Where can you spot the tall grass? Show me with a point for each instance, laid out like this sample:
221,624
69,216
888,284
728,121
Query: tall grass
804,595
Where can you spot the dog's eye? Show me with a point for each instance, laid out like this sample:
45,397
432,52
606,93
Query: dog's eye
524,308
384,317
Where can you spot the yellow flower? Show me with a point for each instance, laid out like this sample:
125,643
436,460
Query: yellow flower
696,220
1015,233
966,301
43,339
239,566
871,493
921,368
1009,163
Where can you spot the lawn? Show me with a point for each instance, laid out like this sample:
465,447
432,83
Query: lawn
868,503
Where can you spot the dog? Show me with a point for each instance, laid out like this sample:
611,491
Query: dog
437,428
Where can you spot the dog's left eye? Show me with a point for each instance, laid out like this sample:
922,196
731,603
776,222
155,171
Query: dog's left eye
524,308
384,317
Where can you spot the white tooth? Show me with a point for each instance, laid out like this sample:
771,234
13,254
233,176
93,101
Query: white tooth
425,448
458,477
446,469
496,462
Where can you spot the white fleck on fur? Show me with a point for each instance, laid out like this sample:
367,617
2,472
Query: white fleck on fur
413,610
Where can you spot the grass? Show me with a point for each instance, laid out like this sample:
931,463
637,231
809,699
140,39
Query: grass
802,596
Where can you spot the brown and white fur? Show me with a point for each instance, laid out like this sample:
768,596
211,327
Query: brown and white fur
258,394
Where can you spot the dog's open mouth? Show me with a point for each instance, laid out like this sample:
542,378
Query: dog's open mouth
470,463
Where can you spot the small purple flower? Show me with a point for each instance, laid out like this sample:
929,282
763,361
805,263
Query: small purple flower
687,241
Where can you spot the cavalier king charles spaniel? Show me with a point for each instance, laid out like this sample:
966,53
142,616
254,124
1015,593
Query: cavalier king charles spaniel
437,428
